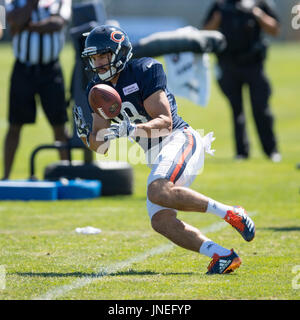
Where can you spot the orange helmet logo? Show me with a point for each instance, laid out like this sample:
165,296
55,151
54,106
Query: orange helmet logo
117,36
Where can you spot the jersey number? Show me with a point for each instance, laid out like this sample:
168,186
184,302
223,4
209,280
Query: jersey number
133,114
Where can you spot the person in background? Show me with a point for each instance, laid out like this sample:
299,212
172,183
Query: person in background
37,29
2,20
243,23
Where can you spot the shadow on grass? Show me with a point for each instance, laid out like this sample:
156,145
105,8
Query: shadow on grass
282,229
97,275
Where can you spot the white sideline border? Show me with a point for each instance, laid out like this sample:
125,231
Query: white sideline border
106,271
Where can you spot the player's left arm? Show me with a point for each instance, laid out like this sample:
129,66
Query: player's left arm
158,107
267,22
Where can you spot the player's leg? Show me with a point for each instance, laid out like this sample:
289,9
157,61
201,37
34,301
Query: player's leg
52,94
231,85
22,110
11,143
260,91
164,219
166,194
60,134
179,162
165,222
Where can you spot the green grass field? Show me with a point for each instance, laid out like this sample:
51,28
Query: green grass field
45,259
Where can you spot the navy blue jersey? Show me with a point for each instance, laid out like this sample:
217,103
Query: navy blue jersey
140,79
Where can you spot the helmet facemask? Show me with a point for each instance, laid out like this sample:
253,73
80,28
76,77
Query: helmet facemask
107,39
110,73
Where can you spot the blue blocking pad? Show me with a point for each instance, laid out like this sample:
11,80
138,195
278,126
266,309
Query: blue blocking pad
78,189
27,190
49,191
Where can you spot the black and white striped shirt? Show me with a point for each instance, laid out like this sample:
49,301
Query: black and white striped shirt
34,48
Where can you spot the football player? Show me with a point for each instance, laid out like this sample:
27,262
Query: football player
174,150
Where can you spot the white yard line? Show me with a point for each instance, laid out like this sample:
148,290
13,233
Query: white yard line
113,268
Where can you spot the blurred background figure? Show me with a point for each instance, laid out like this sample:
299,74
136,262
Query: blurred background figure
37,29
2,19
243,23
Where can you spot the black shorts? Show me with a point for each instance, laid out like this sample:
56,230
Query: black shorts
43,80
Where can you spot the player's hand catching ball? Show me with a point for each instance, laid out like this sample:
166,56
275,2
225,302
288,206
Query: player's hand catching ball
123,129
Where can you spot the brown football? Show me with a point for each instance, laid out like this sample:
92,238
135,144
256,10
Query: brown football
105,101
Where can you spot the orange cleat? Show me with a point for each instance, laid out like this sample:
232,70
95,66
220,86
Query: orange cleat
240,220
224,264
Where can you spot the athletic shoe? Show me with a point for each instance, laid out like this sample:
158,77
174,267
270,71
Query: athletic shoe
224,264
241,157
240,220
275,157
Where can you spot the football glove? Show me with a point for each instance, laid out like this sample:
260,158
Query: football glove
82,128
123,129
